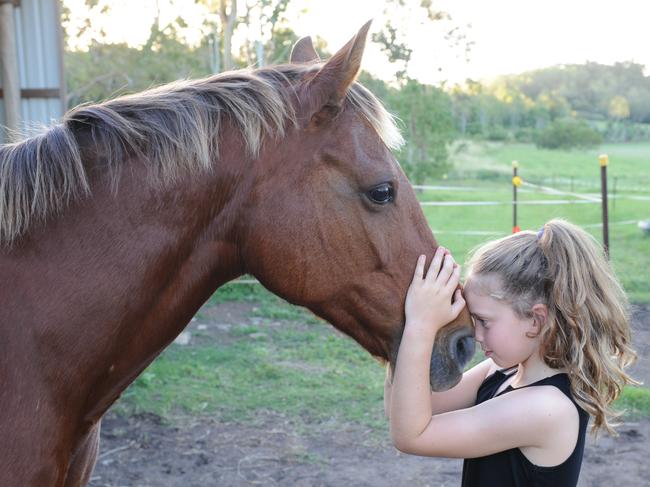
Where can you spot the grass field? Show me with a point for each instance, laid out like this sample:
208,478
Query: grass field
628,164
310,373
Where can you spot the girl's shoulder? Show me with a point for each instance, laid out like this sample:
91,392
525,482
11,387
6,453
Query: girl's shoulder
548,401
552,390
558,416
551,393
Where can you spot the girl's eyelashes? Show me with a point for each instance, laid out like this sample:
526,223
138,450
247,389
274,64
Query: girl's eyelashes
479,321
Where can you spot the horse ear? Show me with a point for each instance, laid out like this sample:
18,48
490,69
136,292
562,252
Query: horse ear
303,52
327,89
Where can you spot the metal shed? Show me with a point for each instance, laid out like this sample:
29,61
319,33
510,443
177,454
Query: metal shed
32,88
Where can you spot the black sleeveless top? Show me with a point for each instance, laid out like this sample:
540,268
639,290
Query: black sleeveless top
511,468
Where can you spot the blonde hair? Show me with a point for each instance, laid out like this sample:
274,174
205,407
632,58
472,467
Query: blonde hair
587,331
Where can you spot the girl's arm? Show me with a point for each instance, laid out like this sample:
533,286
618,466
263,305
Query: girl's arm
428,308
462,395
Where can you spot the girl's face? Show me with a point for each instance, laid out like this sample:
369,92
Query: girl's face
500,331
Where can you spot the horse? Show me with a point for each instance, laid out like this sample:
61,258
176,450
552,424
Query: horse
120,221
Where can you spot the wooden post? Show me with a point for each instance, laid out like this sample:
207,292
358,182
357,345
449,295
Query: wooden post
604,160
9,68
516,182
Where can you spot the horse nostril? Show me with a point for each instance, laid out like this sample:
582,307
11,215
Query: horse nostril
463,349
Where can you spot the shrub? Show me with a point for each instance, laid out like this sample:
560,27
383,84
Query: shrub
568,133
525,134
497,134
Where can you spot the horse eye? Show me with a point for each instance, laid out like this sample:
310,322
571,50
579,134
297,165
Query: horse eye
382,194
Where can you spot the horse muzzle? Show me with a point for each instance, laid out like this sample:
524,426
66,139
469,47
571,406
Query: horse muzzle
448,360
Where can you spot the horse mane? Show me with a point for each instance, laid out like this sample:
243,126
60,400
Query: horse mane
174,128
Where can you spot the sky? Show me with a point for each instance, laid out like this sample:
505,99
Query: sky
508,36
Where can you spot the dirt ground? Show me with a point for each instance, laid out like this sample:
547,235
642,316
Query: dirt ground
141,451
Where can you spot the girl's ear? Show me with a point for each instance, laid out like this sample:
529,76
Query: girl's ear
540,315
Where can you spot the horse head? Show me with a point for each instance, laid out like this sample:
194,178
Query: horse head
333,223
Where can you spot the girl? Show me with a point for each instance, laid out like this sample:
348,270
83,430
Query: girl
552,320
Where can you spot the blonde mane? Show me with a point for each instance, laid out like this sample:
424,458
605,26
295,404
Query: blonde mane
175,128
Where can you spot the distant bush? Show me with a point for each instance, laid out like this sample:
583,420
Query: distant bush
525,134
497,134
568,133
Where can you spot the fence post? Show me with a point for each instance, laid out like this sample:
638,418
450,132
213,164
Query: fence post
604,160
516,182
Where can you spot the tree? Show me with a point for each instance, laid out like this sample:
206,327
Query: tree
228,18
639,99
222,21
270,40
426,113
393,35
107,70
266,37
103,69
619,108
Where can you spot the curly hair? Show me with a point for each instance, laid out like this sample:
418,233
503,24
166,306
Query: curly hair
587,331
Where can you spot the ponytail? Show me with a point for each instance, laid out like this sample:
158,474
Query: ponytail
588,330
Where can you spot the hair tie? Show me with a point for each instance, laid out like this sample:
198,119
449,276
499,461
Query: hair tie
540,234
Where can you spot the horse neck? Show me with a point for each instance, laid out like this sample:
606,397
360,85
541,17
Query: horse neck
122,274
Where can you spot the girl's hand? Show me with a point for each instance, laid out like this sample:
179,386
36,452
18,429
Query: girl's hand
429,304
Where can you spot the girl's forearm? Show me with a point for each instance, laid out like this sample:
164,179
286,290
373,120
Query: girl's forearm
410,404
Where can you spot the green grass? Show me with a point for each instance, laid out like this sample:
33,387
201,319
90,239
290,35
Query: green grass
307,374
243,292
628,164
635,401
267,304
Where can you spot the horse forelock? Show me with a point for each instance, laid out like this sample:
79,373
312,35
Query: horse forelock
175,128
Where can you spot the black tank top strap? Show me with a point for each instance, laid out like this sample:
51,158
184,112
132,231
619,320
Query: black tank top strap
560,381
491,384
509,371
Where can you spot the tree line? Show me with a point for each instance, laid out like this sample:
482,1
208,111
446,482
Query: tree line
611,101
556,107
